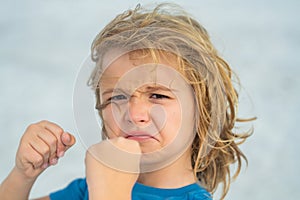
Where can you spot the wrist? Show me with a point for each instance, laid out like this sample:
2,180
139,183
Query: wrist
19,175
111,185
110,191
16,186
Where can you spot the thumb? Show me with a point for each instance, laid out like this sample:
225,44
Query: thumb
68,139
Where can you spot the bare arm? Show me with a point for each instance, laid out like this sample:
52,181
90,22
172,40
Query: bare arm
103,181
15,186
41,145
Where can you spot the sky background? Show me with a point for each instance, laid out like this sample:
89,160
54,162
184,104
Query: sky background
43,43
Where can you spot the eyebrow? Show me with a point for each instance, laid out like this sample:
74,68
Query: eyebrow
111,90
147,89
158,87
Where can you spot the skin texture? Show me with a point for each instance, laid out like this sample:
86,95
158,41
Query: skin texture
41,146
139,102
113,184
43,143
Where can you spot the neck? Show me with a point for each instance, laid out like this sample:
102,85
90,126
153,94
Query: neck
178,174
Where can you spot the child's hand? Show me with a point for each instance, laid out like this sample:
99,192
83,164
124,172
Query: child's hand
112,168
42,144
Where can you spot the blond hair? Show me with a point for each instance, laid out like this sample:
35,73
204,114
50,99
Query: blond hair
167,28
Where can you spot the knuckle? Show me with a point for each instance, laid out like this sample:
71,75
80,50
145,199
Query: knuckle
38,160
120,140
43,122
128,145
56,127
31,127
52,142
45,150
59,130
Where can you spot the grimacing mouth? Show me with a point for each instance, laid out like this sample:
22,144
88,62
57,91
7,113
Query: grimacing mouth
139,135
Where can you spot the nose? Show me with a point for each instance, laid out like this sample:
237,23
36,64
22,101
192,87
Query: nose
138,111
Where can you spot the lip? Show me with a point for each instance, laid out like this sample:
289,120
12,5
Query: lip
139,136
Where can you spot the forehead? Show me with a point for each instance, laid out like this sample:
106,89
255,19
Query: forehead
129,61
117,67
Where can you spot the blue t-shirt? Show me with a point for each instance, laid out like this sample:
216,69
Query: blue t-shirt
77,190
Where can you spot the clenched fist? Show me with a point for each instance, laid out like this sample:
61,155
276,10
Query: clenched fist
42,144
112,168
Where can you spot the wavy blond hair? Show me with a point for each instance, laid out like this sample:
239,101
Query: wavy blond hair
167,28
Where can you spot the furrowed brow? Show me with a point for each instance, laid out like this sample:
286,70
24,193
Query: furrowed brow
107,91
156,88
112,90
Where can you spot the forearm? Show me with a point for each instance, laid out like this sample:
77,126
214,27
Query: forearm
16,186
110,184
120,192
42,144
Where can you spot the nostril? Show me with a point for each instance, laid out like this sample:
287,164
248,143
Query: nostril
138,112
137,118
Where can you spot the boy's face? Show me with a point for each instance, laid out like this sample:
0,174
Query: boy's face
149,103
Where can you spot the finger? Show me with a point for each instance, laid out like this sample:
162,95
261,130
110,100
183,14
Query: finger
41,147
68,139
51,140
35,158
57,131
51,126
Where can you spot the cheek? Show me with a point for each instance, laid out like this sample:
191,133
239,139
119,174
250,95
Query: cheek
173,123
109,123
107,114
